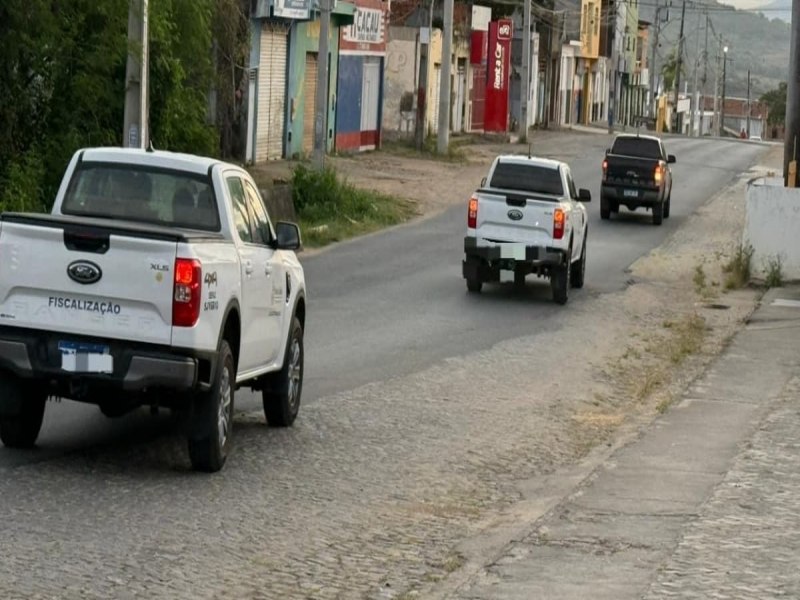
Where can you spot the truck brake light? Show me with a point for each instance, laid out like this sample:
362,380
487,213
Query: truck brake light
472,214
658,175
558,223
605,169
186,292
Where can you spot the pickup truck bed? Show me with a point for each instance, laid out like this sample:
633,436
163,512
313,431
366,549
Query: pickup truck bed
157,280
636,174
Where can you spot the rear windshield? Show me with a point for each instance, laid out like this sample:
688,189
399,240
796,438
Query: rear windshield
142,194
637,147
527,178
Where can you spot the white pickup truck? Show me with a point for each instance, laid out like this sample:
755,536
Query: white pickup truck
157,279
527,218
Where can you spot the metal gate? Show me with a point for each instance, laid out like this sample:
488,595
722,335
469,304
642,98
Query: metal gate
370,96
271,117
309,102
478,97
460,97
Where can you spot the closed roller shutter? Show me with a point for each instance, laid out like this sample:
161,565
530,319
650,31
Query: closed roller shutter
271,93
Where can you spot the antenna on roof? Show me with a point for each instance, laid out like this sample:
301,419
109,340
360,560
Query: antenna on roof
530,144
151,148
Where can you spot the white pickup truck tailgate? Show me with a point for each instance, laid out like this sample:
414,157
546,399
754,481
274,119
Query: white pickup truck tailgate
131,300
520,219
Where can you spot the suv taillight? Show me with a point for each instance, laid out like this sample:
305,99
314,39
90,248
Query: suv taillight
658,175
558,223
605,169
472,214
186,292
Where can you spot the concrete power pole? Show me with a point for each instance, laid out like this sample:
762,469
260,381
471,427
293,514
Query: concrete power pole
678,124
321,117
443,139
422,93
747,131
792,136
653,98
717,129
525,85
135,133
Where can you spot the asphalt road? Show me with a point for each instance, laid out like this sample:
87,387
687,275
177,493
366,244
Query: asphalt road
394,303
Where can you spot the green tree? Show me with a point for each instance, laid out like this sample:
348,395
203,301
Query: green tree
776,104
62,83
669,70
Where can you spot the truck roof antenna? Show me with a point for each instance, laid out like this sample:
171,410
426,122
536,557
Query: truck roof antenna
530,144
150,147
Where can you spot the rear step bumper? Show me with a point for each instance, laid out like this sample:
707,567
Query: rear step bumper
540,255
33,354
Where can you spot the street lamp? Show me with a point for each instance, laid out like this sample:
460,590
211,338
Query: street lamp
724,72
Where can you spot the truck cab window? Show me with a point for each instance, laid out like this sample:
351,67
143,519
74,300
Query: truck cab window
239,204
263,229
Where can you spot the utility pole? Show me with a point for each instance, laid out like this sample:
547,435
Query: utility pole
135,132
696,96
443,140
792,135
748,104
678,123
722,104
705,78
717,71
525,85
321,118
653,98
422,92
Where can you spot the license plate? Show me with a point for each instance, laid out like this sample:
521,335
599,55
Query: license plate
83,357
631,193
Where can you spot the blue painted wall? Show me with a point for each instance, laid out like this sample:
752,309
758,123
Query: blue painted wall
348,109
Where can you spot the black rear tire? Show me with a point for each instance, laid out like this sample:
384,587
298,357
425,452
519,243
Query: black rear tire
211,422
281,397
605,209
560,280
658,213
22,405
579,269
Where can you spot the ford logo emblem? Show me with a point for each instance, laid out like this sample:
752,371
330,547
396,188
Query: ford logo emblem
83,271
514,214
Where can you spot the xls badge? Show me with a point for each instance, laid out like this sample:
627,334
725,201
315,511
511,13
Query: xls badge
514,214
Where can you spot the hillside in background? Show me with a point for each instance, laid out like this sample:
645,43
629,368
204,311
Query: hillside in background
779,9
754,41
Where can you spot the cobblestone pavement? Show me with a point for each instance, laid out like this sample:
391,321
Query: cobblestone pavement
705,504
369,495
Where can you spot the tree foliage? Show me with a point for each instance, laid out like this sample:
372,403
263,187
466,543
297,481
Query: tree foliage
670,70
776,104
62,84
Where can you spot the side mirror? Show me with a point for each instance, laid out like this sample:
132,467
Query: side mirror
288,235
483,182
584,195
671,158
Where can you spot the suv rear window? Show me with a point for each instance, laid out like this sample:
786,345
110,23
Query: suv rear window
527,178
142,194
632,146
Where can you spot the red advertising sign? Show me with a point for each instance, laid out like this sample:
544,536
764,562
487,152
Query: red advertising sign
477,48
367,34
500,34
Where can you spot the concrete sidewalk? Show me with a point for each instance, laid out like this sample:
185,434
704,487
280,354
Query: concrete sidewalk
705,503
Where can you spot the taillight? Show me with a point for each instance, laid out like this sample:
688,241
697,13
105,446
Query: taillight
472,214
558,224
186,292
605,169
658,175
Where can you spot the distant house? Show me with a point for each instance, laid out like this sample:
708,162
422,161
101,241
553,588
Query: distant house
735,114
